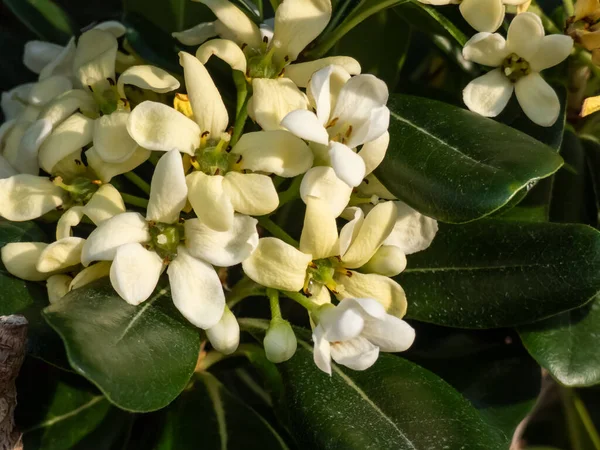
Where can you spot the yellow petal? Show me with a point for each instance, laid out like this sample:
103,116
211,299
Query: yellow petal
319,233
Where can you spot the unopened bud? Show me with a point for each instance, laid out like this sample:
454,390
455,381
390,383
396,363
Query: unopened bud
389,261
280,341
225,335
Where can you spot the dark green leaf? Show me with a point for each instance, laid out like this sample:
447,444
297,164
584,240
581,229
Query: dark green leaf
170,15
455,165
493,273
592,152
208,410
44,17
141,357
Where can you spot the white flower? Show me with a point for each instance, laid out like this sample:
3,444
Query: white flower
349,112
140,248
518,59
483,15
220,184
225,335
355,331
280,341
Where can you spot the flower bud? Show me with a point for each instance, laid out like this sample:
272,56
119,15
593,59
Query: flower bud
280,341
389,261
225,335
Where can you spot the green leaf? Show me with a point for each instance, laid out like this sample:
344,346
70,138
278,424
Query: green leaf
170,15
140,357
44,17
209,410
455,165
494,273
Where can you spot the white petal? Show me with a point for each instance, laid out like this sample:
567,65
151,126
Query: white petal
233,23
272,100
306,125
92,273
483,15
106,171
277,265
383,289
196,290
225,335
413,232
27,158
209,110
26,197
319,233
373,152
156,126
297,24
20,258
14,101
349,231
57,287
388,260
134,272
278,152
488,94
38,54
94,61
73,134
5,131
538,100
322,350
111,138
222,248
60,255
390,334
6,170
147,77
62,64
486,48
66,104
301,73
553,50
369,308
46,90
322,182
525,35
104,204
223,49
168,190
117,29
12,142
103,242
210,201
251,193
196,35
342,322
356,354
280,342
377,226
371,129
349,166
70,218
330,80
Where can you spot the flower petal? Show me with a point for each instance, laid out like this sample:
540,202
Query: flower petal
27,197
114,27
413,231
6,170
371,129
349,166
222,248
373,152
388,260
356,354
156,126
60,255
196,290
538,100
251,193
210,201
278,152
70,218
44,91
525,35
297,24
62,64
376,227
483,15
233,23
306,125
20,259
488,49
103,242
57,287
277,265
319,233
349,231
383,289
26,160
111,138
196,35
324,89
134,272
66,104
106,171
488,94
14,101
225,335
147,77
223,49
209,110
322,182
390,334
168,190
104,204
38,54
272,100
322,350
94,60
301,73
92,273
553,50
342,322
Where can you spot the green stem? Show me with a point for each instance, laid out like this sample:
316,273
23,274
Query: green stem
276,230
586,420
291,193
274,4
134,201
569,8
210,359
585,58
577,415
302,300
243,289
273,295
138,181
154,157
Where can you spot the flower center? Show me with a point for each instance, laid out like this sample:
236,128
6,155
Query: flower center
80,189
107,97
260,63
339,132
215,159
515,67
321,272
165,238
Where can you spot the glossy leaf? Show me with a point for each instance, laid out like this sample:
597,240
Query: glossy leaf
44,17
457,166
209,410
170,15
141,357
493,273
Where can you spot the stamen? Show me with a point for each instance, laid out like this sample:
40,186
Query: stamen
332,122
